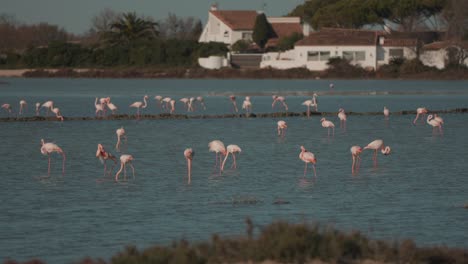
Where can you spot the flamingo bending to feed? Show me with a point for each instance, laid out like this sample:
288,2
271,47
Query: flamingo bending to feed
103,156
432,121
281,127
280,99
232,149
38,107
247,105
386,112
355,153
104,102
328,124
166,101
7,107
99,108
308,157
217,146
57,113
172,102
124,159
188,154
420,111
342,117
438,119
120,134
191,105
233,100
201,101
48,105
23,106
47,149
112,107
376,145
139,105
185,100
158,99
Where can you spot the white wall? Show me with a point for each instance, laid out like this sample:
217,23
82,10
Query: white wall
213,62
383,54
214,31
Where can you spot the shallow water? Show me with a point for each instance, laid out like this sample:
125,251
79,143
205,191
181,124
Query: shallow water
416,192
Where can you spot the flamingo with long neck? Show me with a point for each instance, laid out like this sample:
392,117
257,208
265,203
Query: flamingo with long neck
47,149
281,127
139,105
436,124
120,134
217,146
23,106
376,145
308,157
231,149
328,124
38,107
280,99
342,117
234,104
57,113
188,154
7,108
355,153
103,156
48,105
124,160
386,112
99,107
420,111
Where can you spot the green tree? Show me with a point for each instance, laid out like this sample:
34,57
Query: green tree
130,28
262,31
241,45
287,43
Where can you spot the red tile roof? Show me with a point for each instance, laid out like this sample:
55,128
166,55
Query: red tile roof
341,37
445,44
236,19
283,30
400,42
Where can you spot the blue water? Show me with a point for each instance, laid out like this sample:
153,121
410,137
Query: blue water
416,192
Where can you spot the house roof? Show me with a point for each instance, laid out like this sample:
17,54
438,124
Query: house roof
400,42
236,19
341,37
283,30
445,44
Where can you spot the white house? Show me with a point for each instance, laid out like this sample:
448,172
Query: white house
366,48
436,55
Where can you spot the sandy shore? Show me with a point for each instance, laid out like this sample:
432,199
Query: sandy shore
13,73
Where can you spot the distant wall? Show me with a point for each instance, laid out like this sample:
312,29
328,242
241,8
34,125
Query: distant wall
213,62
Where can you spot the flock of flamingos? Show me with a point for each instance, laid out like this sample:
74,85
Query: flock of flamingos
168,104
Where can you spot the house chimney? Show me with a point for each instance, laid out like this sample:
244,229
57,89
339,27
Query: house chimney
214,7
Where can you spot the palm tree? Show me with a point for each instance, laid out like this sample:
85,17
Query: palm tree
130,28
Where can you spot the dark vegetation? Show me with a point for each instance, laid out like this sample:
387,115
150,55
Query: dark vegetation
282,242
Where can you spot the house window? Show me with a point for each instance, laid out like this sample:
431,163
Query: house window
324,55
312,56
396,53
247,36
226,34
354,55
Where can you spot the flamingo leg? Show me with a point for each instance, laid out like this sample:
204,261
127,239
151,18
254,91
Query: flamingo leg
224,161
352,166
48,167
417,116
189,169
133,169
105,168
315,172
234,158
305,169
308,111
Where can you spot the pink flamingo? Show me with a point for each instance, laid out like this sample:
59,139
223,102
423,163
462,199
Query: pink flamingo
158,99
315,102
124,159
376,145
342,117
355,153
112,107
281,127
217,146
99,108
120,134
48,105
439,119
420,111
166,101
308,103
191,104
104,102
201,101
308,157
38,106
185,101
139,105
435,124
47,149
7,108
386,112
57,113
280,99
328,124
233,100
247,105
172,103
103,156
188,154
232,149
23,106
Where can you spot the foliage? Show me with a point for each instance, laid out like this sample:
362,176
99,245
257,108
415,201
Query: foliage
241,45
342,68
456,56
212,49
262,30
130,28
287,43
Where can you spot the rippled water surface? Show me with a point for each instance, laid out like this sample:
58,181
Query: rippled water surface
416,192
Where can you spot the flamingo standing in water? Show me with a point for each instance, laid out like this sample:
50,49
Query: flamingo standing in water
308,103
280,99
247,105
111,106
438,119
355,153
315,102
120,134
47,149
139,105
48,105
38,107
342,117
158,99
188,154
432,121
23,106
217,146
172,103
104,102
7,108
328,124
99,108
185,101
166,101
308,157
331,86
386,112
233,100
103,156
420,111
191,105
124,159
57,113
201,101
281,127
376,145
232,149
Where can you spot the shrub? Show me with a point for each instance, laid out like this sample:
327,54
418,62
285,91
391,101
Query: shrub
241,46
